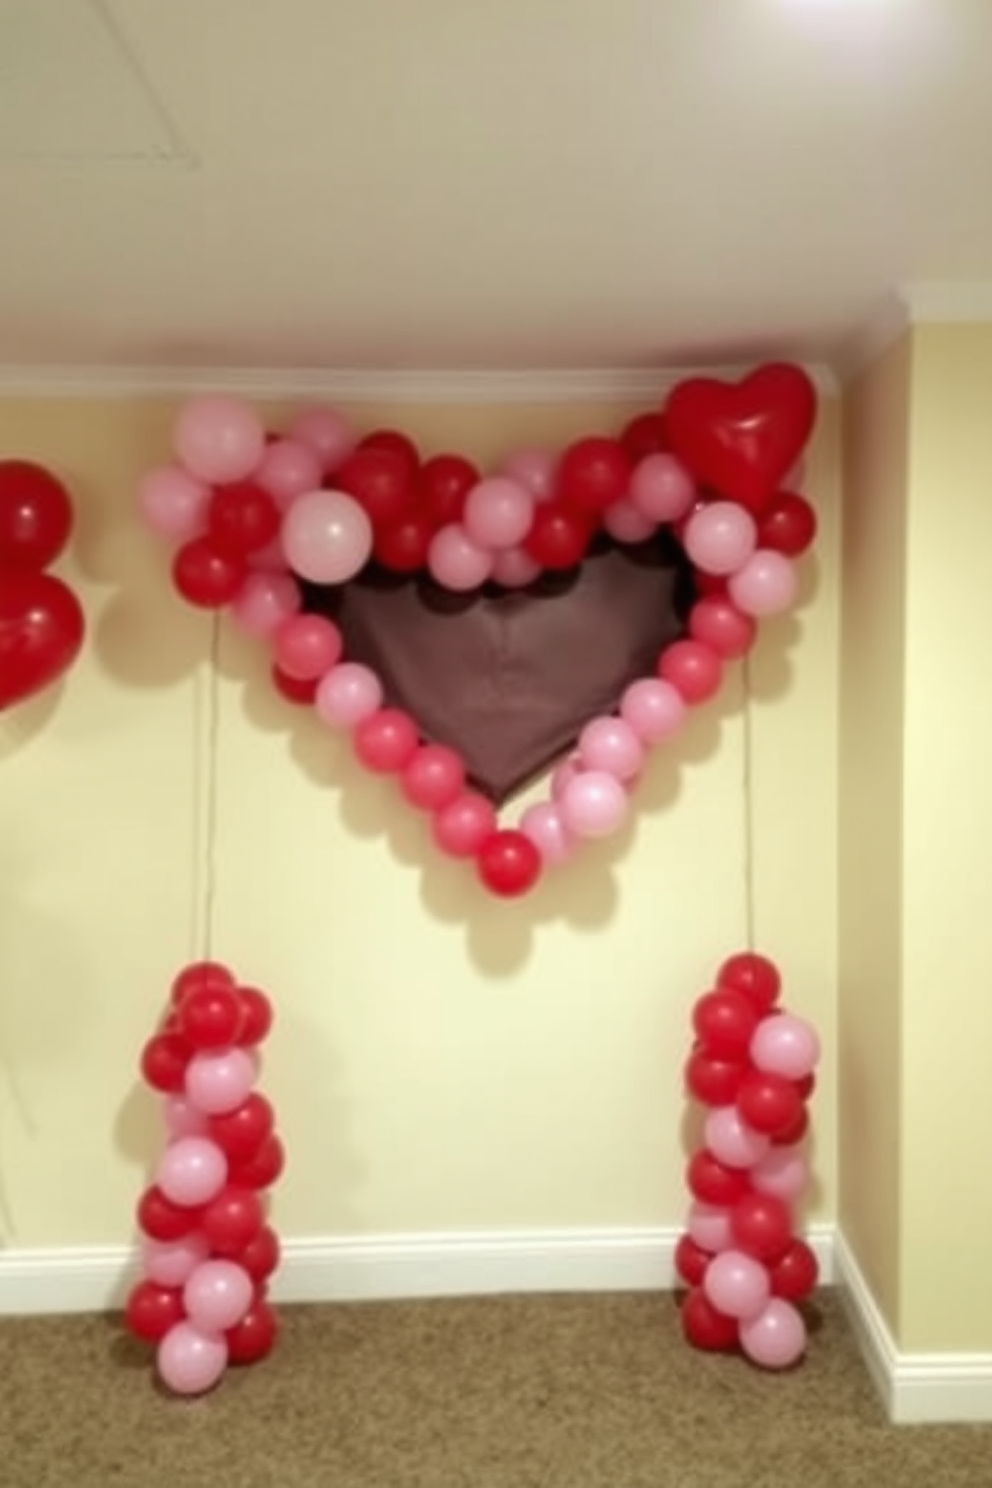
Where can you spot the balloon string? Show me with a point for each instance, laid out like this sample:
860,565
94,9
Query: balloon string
747,791
207,727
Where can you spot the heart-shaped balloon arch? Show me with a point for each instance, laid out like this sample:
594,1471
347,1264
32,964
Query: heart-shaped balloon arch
41,620
259,519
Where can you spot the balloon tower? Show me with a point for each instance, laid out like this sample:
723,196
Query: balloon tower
207,1251
751,1068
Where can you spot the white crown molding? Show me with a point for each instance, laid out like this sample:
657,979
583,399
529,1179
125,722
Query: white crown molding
889,321
944,302
592,385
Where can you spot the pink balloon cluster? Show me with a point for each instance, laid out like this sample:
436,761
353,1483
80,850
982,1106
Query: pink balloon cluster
207,1251
752,1065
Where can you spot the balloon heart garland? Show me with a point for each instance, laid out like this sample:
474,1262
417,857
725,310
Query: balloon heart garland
263,523
753,1066
41,620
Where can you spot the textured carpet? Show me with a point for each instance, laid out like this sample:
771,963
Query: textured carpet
508,1392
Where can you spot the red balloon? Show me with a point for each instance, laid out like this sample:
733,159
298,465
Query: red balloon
788,526
761,1225
254,1336
385,741
151,1310
35,517
393,442
260,1256
401,546
210,1017
379,480
713,1081
691,1261
256,1015
508,863
558,538
754,975
787,1136
233,1219
704,1327
200,974
796,1272
769,1103
593,473
298,690
694,670
262,1169
161,1219
434,777
806,1085
717,622
41,633
163,1062
645,435
725,1021
206,577
712,1182
242,519
442,485
241,1132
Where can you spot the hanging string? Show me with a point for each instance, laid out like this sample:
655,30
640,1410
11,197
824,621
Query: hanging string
747,802
206,729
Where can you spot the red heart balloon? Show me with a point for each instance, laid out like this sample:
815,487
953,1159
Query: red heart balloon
41,633
742,439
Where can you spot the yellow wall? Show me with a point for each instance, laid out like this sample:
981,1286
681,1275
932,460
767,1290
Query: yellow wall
441,1061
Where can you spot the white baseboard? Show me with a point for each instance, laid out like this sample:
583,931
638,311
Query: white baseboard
379,1267
915,1387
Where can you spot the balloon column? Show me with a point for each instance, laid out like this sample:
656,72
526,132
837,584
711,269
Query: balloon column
207,1251
41,620
752,1066
254,518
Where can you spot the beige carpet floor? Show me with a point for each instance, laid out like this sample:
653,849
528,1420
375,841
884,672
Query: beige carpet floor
508,1392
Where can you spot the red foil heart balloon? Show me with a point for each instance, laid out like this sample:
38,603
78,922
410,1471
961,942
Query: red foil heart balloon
742,439
41,633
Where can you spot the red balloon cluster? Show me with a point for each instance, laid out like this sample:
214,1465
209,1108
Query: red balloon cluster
207,1248
752,1064
41,620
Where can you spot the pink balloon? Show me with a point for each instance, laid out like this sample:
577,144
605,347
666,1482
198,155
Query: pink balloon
326,537
542,823
766,585
174,503
270,558
192,1170
325,431
434,777
219,439
386,741
456,561
627,523
461,828
563,774
307,646
182,1118
594,804
732,1141
611,744
266,601
218,1082
720,538
782,1172
289,468
709,1226
693,669
514,568
785,1045
498,513
170,1262
189,1361
348,693
776,1337
718,623
654,709
737,1284
661,488
217,1294
534,469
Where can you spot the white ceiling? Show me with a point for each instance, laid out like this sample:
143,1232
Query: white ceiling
505,184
